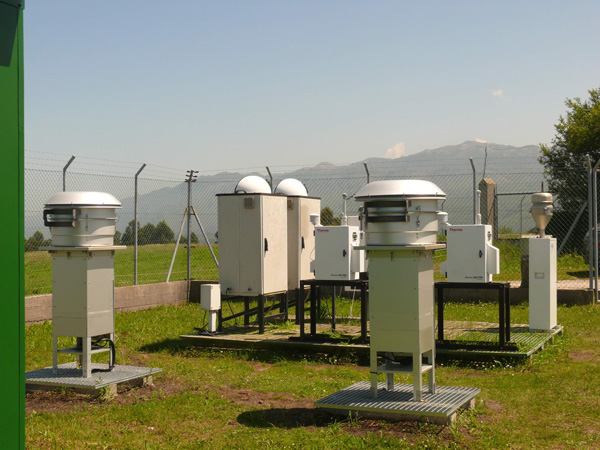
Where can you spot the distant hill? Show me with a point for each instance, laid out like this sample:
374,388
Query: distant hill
513,168
447,166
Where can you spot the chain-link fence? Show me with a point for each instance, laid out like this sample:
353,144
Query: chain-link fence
163,199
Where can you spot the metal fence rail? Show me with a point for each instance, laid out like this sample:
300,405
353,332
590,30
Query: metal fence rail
163,198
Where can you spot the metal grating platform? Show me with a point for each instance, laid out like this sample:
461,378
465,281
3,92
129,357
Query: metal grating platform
69,376
440,407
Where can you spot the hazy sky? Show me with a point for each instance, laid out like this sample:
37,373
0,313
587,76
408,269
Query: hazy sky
240,84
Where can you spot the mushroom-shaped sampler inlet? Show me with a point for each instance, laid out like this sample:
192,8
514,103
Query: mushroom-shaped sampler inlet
541,210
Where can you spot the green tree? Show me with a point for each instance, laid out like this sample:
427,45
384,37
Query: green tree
34,242
163,234
327,217
117,238
146,234
577,134
128,235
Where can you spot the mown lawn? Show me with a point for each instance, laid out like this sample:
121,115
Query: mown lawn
211,399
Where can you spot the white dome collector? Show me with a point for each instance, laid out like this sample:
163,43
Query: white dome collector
291,187
252,184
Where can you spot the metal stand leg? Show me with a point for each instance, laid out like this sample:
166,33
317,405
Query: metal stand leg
333,308
246,308
261,314
79,344
313,310
300,309
417,378
86,360
54,354
373,374
389,379
507,315
431,375
440,311
501,324
364,312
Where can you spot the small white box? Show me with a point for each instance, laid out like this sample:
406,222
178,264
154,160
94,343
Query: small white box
471,255
335,252
210,297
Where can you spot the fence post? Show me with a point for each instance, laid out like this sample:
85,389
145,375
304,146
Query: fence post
65,172
590,219
270,178
474,191
487,201
595,225
135,228
191,178
368,174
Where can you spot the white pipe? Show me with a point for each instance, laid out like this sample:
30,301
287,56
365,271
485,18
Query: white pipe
478,207
344,216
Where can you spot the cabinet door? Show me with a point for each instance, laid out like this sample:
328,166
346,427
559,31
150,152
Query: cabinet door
250,244
307,235
275,244
229,245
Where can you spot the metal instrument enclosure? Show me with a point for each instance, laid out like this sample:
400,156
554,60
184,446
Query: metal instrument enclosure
542,283
253,256
336,255
471,257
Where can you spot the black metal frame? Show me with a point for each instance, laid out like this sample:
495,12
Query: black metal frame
259,311
314,299
503,289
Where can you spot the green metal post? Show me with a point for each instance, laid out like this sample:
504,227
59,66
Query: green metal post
12,286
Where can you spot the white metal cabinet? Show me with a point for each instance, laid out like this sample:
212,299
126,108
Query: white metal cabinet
335,250
252,244
542,283
471,255
401,308
83,293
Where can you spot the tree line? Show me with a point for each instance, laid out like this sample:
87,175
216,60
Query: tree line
160,233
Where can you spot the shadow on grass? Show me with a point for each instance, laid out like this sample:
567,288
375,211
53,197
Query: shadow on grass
179,347
171,346
287,418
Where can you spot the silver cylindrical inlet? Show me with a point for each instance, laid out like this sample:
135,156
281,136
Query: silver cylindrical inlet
400,212
81,219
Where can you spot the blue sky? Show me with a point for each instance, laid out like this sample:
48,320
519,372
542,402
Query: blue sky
241,84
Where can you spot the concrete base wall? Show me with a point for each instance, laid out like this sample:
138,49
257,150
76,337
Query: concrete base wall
38,308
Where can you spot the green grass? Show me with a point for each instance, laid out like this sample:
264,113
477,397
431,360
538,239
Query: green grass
213,399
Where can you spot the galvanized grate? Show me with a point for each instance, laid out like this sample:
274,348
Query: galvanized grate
445,402
69,376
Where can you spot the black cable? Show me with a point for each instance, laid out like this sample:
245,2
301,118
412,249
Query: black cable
113,355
